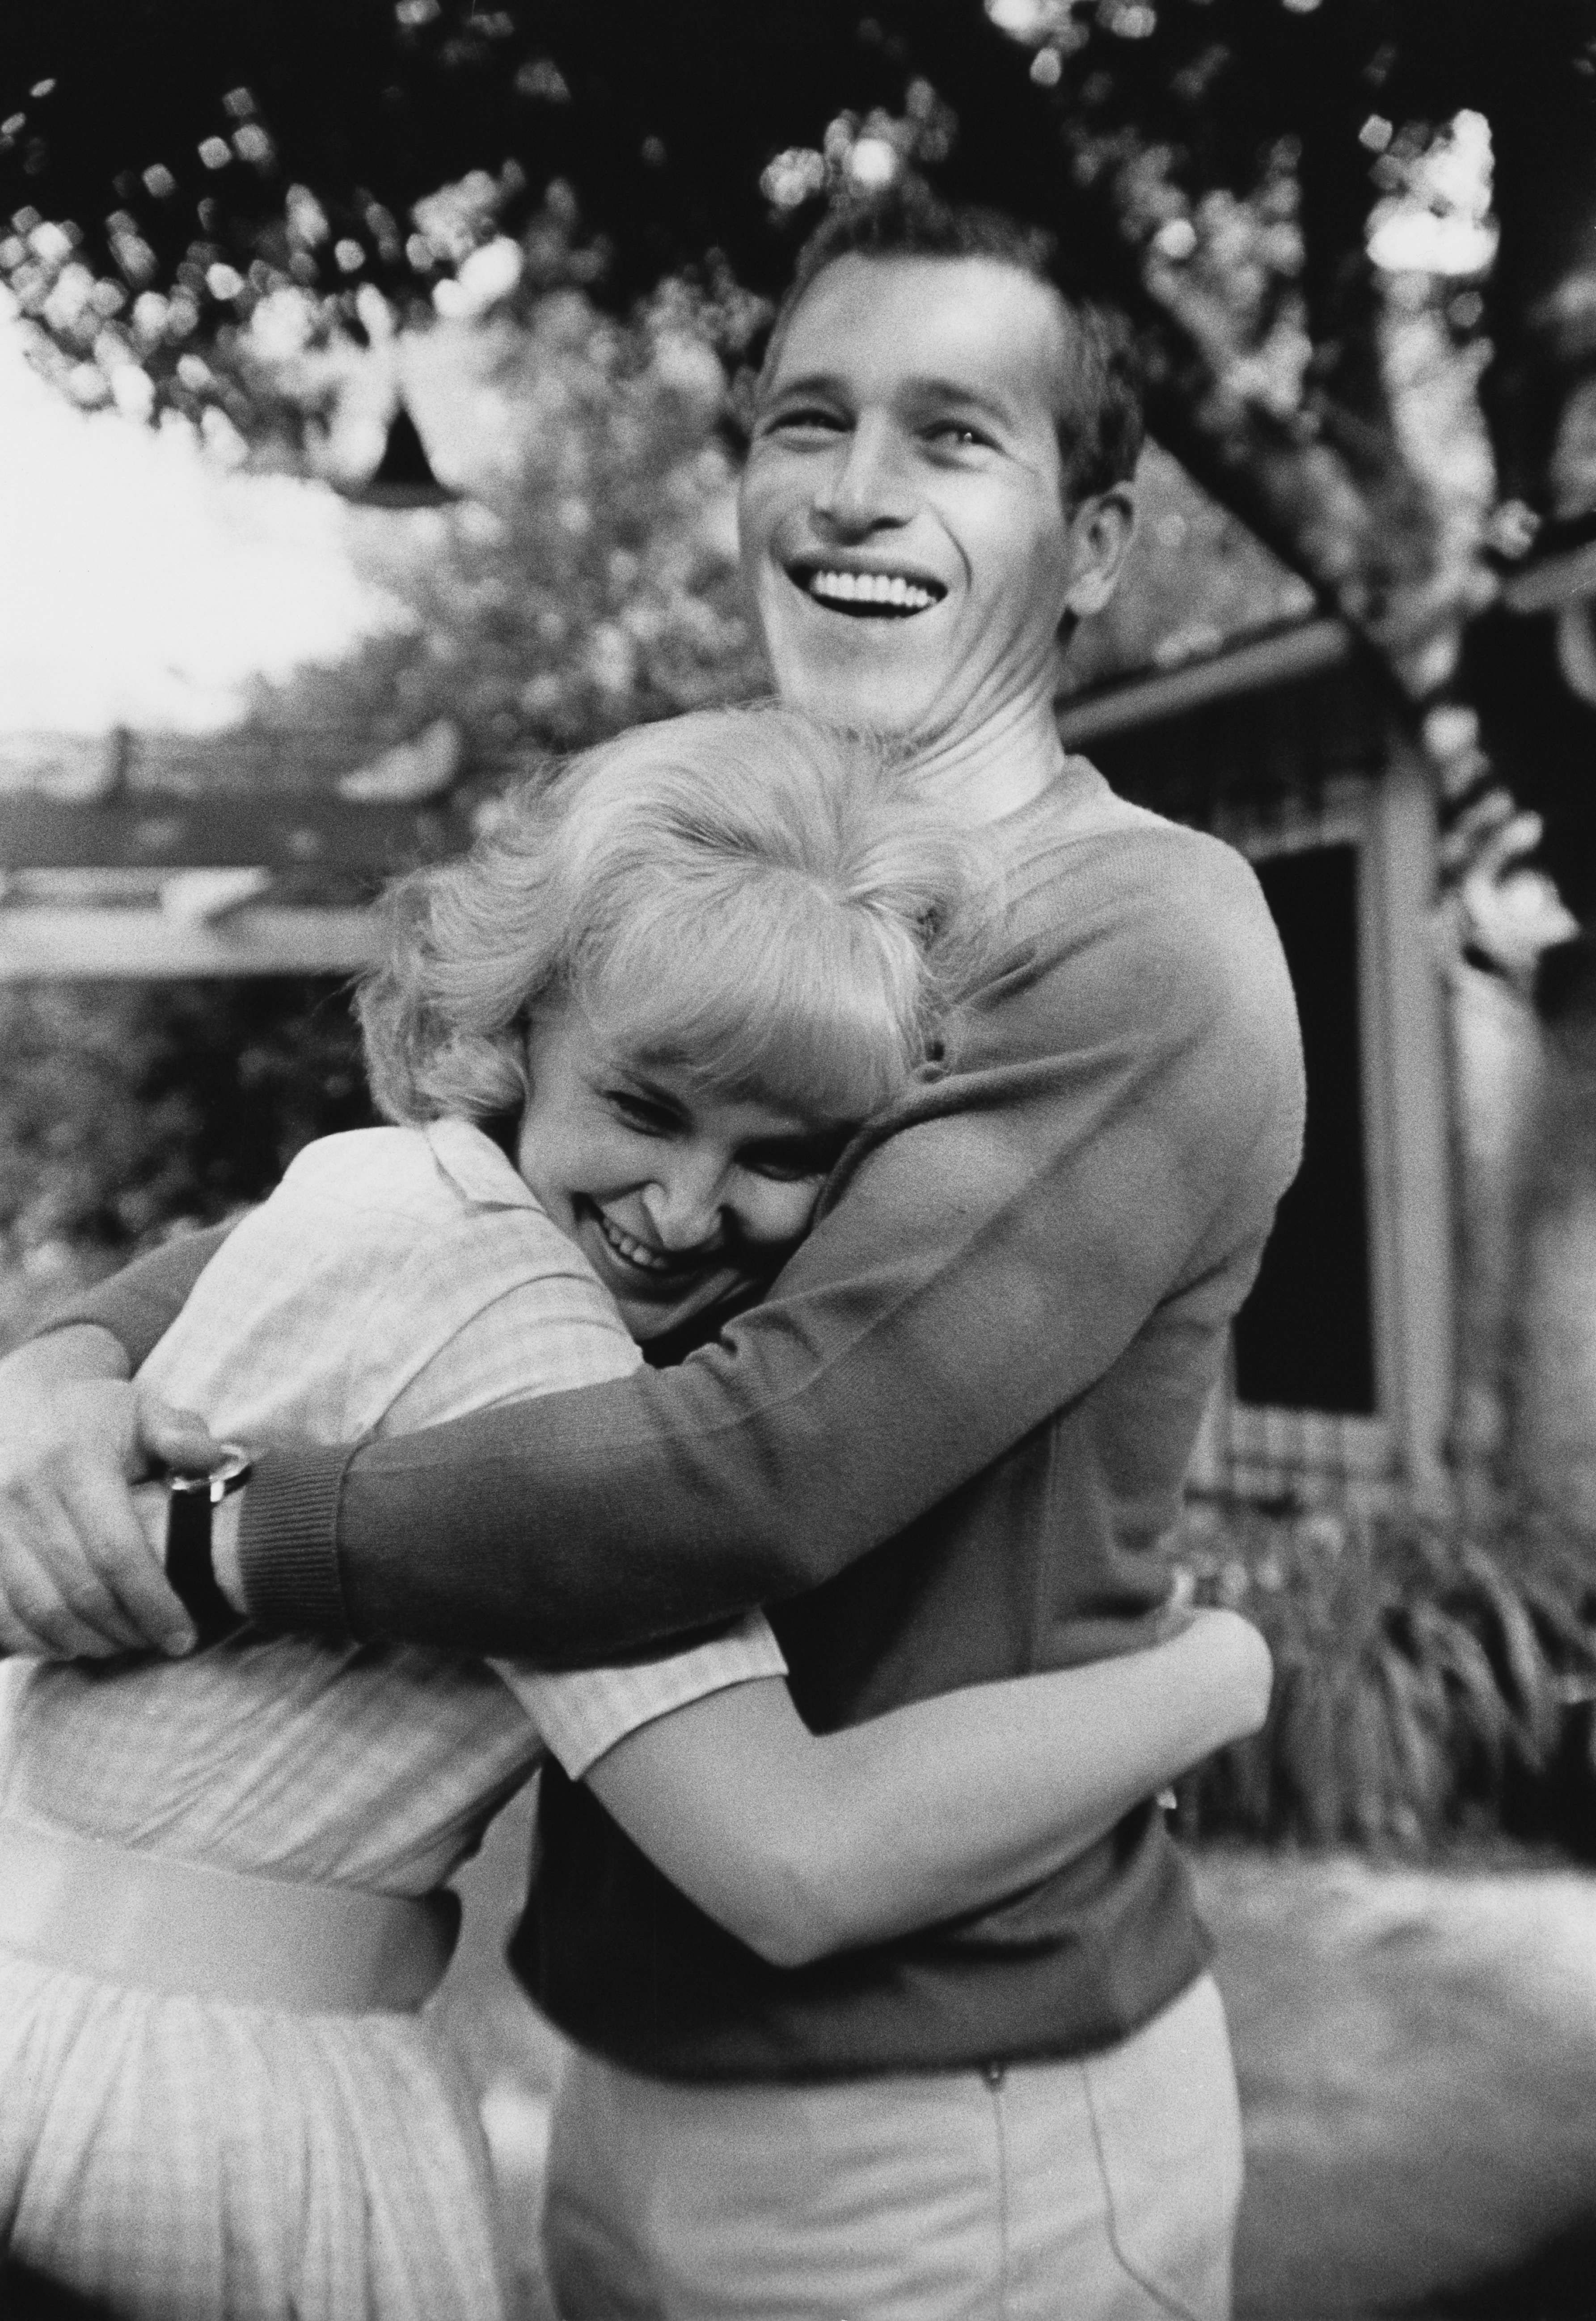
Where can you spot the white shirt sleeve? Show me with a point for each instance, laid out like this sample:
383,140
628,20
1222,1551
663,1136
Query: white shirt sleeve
582,1713
508,1339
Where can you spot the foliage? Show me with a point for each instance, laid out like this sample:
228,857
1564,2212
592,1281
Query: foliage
199,140
590,578
1293,199
1220,164
1429,1685
128,1109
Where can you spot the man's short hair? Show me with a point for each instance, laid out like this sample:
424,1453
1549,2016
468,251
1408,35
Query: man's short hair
1099,418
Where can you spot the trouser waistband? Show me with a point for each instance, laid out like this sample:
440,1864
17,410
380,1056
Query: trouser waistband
161,1924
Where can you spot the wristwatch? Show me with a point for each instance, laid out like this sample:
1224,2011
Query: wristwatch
190,1571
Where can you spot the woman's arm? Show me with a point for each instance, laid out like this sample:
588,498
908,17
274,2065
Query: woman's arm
802,1843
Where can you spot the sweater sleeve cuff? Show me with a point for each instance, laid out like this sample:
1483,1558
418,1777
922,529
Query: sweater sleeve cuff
288,1540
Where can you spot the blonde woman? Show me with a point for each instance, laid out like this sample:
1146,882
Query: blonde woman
623,1042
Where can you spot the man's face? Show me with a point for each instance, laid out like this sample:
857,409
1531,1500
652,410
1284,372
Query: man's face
904,535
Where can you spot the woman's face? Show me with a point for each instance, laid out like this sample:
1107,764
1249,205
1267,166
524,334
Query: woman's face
679,1196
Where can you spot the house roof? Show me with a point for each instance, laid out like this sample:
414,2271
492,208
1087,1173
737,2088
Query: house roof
230,854
1248,664
1196,583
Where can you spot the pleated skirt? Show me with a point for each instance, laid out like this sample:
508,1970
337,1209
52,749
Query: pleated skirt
180,2160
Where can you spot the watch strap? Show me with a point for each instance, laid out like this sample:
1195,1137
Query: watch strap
190,1561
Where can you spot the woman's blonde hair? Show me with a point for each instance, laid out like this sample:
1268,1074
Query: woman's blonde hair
764,900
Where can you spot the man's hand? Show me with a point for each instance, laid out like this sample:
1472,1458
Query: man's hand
80,1565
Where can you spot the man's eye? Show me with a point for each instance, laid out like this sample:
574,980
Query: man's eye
805,419
958,435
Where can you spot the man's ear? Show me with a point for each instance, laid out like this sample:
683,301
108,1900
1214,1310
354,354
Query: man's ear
1101,529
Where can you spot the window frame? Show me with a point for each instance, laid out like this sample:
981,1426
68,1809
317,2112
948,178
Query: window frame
1263,1453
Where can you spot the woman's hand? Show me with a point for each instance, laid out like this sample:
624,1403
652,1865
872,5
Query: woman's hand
80,1573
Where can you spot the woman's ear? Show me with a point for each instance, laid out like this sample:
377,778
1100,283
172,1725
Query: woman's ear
1101,529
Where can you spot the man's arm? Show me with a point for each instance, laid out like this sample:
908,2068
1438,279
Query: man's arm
992,1253
138,1306
996,1247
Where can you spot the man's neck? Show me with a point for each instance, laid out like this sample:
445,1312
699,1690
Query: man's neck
999,767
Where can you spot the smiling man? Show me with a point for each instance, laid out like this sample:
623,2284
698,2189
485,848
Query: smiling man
942,1449
913,526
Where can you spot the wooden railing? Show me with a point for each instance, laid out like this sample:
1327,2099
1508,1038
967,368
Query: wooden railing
239,853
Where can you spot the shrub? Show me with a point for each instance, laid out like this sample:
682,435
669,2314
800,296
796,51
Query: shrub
128,1110
1429,1685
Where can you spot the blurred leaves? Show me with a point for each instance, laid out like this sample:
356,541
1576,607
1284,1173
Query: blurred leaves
590,579
1427,1685
216,178
128,1109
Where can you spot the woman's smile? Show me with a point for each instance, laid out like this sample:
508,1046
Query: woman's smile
661,1266
635,1252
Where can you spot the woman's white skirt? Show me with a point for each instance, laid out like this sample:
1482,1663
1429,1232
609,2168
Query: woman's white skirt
186,2161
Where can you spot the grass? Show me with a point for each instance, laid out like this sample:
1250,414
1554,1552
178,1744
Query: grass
1430,1687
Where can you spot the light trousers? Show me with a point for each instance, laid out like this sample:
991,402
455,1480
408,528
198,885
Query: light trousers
1102,2189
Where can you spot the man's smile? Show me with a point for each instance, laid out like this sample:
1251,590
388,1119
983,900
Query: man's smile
866,593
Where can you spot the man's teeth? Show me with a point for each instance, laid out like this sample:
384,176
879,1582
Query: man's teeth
870,588
636,1252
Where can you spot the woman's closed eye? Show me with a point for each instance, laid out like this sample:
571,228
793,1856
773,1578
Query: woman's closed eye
645,1113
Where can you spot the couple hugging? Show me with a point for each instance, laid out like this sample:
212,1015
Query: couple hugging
921,1110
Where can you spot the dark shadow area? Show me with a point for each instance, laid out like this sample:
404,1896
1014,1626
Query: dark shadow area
1304,1340
26,2296
1559,2285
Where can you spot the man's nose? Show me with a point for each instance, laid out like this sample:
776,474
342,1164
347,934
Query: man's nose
866,483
